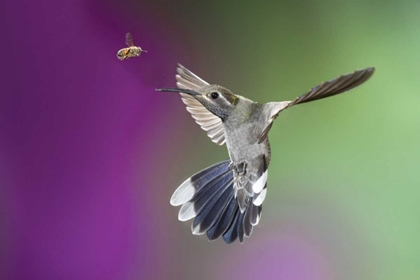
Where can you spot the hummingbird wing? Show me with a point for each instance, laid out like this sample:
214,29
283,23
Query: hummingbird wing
208,122
330,88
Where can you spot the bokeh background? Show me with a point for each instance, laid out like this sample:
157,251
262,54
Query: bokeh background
90,154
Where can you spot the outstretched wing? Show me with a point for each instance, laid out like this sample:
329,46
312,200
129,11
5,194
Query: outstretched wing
129,39
326,89
207,121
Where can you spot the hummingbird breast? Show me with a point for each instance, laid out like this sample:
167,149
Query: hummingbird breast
249,159
241,131
240,146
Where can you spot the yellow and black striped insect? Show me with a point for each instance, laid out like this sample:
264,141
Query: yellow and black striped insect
131,51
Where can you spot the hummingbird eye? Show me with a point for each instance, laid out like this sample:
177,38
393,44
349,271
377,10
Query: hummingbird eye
214,95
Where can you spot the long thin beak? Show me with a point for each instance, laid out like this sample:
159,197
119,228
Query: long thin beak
187,91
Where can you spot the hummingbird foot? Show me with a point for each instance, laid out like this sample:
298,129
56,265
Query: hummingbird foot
239,169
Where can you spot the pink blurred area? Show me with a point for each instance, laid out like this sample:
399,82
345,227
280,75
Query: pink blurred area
79,142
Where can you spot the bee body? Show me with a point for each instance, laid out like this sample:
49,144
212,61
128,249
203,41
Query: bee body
131,51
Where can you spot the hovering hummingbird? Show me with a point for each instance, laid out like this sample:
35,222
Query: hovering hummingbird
226,198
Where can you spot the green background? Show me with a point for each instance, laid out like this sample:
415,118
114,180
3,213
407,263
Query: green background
344,176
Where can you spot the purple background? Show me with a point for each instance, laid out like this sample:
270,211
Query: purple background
79,142
90,154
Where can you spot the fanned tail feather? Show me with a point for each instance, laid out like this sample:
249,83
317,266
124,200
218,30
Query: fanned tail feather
208,196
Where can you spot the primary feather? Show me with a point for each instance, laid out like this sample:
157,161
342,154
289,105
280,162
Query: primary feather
206,120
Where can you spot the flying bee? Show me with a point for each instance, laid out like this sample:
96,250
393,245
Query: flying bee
131,51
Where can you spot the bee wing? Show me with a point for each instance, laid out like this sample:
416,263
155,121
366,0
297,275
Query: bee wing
330,88
208,122
129,39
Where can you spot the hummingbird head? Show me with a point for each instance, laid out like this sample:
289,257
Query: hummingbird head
218,100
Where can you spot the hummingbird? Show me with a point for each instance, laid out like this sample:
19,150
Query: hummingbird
226,198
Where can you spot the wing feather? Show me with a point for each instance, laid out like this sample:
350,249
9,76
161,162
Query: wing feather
329,88
335,86
204,118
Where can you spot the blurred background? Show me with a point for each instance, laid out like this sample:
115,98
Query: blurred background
90,154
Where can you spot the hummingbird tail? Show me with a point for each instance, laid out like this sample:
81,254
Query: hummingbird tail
208,196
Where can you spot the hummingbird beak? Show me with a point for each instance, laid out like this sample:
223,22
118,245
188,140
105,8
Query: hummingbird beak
187,91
